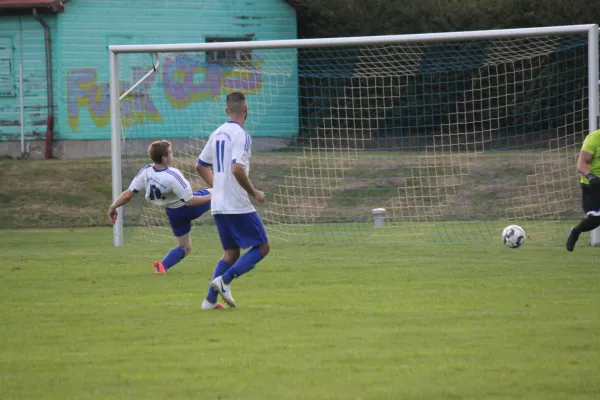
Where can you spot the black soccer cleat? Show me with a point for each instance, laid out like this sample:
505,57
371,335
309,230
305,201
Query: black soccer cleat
572,239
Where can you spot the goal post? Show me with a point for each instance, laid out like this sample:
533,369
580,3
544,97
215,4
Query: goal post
399,123
594,96
115,142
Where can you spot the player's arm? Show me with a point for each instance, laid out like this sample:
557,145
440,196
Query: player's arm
240,158
583,163
205,162
242,178
137,184
583,167
205,172
123,199
183,190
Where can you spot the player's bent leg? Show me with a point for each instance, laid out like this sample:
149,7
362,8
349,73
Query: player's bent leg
184,247
249,231
588,224
264,249
229,258
185,242
590,201
180,220
231,253
198,211
572,239
245,264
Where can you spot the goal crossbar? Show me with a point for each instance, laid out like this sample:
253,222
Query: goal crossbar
115,50
356,41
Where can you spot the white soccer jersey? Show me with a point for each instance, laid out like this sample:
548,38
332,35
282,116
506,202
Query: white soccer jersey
229,144
164,187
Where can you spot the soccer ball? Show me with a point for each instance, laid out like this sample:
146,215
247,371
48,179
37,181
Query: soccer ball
513,236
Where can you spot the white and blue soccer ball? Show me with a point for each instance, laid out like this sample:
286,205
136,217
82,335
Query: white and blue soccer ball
513,236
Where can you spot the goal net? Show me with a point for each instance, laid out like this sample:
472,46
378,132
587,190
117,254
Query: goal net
418,138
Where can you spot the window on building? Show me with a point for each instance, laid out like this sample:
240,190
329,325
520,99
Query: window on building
7,73
228,57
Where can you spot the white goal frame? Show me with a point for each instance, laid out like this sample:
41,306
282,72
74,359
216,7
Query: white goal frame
115,50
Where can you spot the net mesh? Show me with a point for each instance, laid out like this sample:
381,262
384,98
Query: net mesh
453,140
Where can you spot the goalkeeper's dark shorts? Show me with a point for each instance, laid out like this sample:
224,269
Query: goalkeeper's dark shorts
590,200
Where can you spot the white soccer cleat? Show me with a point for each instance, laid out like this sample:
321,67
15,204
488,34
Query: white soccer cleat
206,305
223,290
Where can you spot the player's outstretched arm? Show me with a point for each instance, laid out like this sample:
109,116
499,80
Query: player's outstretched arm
198,200
123,199
240,175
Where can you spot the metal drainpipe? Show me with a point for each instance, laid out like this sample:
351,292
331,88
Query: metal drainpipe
50,120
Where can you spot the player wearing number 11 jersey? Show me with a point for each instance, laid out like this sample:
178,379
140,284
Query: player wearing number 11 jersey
166,187
227,151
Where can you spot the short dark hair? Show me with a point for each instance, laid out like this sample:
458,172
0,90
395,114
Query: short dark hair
158,150
235,102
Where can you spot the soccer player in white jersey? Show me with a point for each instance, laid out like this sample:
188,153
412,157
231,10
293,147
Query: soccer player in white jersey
166,187
227,151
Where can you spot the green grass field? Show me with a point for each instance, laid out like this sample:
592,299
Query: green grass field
83,320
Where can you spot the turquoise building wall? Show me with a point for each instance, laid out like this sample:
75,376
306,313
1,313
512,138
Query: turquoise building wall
22,43
184,95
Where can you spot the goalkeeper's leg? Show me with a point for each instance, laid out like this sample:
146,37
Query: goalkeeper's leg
590,201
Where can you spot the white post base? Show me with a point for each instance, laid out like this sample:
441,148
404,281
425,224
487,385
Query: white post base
595,235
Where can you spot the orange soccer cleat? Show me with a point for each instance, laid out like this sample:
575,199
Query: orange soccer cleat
159,268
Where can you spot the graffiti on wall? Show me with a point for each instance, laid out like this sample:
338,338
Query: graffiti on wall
183,80
85,92
179,76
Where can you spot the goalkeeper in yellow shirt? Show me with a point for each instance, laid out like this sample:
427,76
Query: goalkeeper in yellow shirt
588,165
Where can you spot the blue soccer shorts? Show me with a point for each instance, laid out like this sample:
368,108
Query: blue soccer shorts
181,218
240,230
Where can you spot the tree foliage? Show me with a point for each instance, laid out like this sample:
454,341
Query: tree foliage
337,18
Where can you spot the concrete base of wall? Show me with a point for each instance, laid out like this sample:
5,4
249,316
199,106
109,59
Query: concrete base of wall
70,149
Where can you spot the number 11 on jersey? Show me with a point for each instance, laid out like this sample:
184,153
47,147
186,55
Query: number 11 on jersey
220,150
